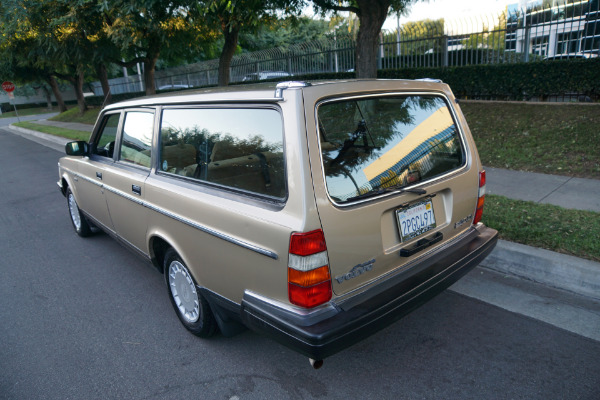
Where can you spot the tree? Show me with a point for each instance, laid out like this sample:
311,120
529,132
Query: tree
283,33
231,16
25,53
371,15
145,30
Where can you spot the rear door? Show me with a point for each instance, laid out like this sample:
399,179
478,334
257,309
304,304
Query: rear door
393,181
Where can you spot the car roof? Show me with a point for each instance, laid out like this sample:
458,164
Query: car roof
266,91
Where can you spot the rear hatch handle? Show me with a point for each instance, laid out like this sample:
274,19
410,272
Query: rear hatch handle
422,245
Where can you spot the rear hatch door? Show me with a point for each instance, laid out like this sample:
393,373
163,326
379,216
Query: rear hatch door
394,179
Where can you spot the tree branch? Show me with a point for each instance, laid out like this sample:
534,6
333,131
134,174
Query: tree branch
327,6
130,63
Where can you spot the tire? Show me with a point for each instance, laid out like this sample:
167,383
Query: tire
80,223
191,307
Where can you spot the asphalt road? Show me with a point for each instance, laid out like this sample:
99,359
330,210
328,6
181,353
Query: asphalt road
87,319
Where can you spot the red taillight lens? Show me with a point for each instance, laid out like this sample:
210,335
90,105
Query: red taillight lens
311,296
305,244
309,279
480,198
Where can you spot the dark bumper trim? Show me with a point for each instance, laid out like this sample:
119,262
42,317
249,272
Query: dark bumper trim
372,310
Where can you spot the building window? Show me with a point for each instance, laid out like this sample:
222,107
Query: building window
539,45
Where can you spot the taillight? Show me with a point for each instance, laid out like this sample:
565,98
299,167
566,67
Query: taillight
309,280
480,198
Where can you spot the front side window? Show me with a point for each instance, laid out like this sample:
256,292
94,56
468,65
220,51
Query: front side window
104,144
240,148
375,144
136,144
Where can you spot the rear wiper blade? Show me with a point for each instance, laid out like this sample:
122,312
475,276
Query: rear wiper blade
387,190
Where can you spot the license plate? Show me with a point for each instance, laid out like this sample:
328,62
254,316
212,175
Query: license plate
415,220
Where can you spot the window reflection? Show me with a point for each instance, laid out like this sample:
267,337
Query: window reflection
386,142
237,148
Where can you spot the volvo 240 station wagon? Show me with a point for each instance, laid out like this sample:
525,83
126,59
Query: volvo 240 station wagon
315,214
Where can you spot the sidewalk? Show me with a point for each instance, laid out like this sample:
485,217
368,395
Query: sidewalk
563,191
546,267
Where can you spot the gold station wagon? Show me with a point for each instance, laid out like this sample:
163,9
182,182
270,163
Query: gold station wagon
315,214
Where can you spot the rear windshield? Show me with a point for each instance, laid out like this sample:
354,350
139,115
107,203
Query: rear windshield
375,144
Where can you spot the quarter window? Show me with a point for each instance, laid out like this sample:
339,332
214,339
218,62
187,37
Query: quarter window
136,145
105,143
240,148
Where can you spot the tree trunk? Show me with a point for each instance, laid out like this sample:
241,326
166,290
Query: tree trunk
149,69
54,86
77,82
48,97
371,17
231,39
103,77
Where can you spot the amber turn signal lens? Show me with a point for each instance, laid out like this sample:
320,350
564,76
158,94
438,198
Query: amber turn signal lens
308,278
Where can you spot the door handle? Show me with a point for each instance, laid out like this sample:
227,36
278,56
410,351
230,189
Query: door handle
99,175
136,189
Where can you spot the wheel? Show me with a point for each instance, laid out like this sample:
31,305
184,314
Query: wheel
80,223
191,307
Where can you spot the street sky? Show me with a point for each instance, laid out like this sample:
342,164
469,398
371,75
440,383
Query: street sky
449,10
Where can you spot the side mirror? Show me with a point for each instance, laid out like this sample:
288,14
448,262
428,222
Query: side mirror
77,148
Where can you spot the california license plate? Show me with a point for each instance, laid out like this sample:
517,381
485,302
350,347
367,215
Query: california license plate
415,220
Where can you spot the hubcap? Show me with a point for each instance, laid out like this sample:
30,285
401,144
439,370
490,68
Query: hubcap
184,292
74,210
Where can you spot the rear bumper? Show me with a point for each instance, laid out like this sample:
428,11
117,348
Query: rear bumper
336,326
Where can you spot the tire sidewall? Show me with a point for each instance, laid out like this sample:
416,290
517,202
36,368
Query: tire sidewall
84,228
205,325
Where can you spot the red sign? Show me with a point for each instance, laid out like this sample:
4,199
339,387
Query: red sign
8,86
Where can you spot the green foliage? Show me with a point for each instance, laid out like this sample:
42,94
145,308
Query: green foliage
73,115
283,33
52,130
550,227
513,81
551,138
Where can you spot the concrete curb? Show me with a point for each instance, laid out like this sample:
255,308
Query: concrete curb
546,267
54,142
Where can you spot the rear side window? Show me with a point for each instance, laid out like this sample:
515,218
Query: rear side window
136,144
240,148
373,144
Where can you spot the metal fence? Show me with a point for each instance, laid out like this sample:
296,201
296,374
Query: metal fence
568,29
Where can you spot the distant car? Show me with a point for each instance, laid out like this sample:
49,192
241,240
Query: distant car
260,76
315,214
566,56
174,87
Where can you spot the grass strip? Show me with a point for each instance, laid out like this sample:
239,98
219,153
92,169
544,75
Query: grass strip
28,111
72,115
567,231
52,130
560,139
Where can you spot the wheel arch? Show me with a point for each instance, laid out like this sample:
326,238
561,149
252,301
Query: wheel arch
158,245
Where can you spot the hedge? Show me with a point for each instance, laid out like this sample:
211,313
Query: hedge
503,81
514,81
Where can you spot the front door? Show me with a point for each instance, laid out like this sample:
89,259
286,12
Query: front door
125,179
90,184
